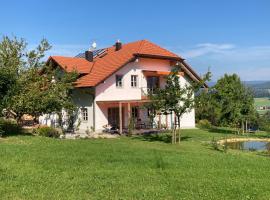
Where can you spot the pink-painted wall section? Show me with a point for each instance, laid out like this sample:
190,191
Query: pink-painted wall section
108,91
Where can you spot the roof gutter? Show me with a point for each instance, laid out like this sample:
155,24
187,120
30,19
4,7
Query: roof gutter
158,57
187,68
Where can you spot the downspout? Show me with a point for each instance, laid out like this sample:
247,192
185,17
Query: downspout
94,114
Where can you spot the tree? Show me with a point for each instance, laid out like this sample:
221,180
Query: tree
175,98
29,86
11,63
46,93
235,99
248,111
207,107
228,103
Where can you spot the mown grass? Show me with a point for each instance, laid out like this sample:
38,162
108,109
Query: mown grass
146,167
262,102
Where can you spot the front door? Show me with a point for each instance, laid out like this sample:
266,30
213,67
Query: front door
113,116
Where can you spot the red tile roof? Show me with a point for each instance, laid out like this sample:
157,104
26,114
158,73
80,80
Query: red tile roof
70,64
105,65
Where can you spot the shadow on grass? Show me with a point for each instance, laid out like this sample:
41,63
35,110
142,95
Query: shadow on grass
159,137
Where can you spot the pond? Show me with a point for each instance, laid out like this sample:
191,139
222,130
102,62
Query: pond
250,145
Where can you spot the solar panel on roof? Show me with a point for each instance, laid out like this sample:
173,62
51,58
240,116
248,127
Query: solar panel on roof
96,53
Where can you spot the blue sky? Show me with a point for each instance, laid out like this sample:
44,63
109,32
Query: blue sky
225,35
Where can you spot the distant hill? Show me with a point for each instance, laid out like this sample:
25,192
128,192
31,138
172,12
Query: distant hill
260,88
252,84
264,85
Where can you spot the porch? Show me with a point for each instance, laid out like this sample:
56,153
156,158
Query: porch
118,115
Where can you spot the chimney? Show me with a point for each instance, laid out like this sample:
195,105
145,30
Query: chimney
89,56
118,45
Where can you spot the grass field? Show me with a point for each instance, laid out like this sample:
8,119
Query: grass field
130,168
262,102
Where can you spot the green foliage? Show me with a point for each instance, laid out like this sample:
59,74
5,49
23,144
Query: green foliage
229,103
131,126
11,62
204,124
47,132
214,144
28,85
175,97
9,127
207,107
263,122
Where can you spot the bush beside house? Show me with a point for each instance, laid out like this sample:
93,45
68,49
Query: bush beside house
9,127
47,132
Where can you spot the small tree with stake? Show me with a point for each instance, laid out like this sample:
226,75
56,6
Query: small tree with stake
176,98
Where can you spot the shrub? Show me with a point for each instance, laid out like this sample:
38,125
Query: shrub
214,144
204,123
131,126
47,132
9,127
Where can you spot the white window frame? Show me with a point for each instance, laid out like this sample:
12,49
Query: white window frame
134,81
84,114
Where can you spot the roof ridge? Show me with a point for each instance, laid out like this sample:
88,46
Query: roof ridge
141,44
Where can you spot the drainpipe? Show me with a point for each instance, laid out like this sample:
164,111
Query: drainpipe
94,115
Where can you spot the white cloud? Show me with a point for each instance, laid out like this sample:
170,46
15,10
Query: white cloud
251,63
207,48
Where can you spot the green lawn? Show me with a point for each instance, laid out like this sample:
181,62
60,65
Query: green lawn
130,168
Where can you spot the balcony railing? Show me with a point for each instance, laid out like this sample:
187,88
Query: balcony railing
147,91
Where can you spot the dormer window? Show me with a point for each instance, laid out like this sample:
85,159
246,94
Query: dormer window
119,81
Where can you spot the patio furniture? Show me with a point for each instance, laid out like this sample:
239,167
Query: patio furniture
140,124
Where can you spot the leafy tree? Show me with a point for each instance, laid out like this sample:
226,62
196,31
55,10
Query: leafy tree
228,103
34,88
11,62
206,107
175,98
248,111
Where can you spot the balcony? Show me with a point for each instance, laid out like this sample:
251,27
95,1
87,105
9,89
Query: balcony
146,91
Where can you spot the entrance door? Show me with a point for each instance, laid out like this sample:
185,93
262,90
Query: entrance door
113,117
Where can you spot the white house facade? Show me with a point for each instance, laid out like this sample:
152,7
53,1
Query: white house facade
113,86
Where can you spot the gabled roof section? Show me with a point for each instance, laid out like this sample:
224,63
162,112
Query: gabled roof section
152,50
110,60
70,64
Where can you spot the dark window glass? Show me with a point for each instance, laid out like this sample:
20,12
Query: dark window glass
119,80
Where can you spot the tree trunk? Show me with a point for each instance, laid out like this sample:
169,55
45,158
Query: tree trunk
173,133
179,130
243,127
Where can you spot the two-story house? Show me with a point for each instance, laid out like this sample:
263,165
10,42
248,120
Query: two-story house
113,84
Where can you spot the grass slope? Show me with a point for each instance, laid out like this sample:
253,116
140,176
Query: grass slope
262,102
130,168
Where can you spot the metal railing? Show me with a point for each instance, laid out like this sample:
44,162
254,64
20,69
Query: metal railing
148,91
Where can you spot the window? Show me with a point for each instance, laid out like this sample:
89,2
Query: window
119,80
135,112
134,80
84,113
152,82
